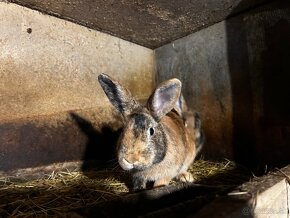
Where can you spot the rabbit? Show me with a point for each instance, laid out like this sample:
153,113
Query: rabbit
157,144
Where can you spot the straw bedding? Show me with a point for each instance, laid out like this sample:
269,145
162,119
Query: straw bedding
62,190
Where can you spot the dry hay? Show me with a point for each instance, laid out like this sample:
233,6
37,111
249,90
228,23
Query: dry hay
225,173
57,193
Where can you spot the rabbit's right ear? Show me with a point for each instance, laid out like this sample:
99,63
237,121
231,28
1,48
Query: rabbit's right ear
164,98
118,95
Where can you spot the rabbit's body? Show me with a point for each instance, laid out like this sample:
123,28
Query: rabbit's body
156,144
179,154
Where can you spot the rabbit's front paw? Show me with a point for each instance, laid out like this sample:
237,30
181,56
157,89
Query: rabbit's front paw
161,182
185,177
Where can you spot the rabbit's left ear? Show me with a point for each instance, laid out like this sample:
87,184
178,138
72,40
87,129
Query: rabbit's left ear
118,95
164,98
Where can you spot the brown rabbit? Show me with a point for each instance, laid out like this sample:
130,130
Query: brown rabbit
156,144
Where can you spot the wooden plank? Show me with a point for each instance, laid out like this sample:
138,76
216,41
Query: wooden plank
266,196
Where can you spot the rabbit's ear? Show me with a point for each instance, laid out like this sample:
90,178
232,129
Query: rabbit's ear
180,106
164,98
118,95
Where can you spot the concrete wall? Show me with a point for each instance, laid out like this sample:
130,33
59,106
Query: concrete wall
236,75
49,65
52,107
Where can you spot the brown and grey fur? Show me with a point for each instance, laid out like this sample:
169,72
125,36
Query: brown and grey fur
158,143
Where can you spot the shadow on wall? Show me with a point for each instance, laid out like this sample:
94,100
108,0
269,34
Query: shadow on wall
259,65
101,145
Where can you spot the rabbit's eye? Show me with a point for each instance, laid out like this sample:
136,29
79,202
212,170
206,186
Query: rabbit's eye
151,131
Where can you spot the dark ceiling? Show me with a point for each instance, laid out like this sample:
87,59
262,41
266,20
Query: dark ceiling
145,22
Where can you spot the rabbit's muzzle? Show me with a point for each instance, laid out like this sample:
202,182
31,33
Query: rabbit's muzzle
126,165
130,164
134,160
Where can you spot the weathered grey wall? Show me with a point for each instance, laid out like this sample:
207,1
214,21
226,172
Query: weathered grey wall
200,61
236,75
48,69
49,65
